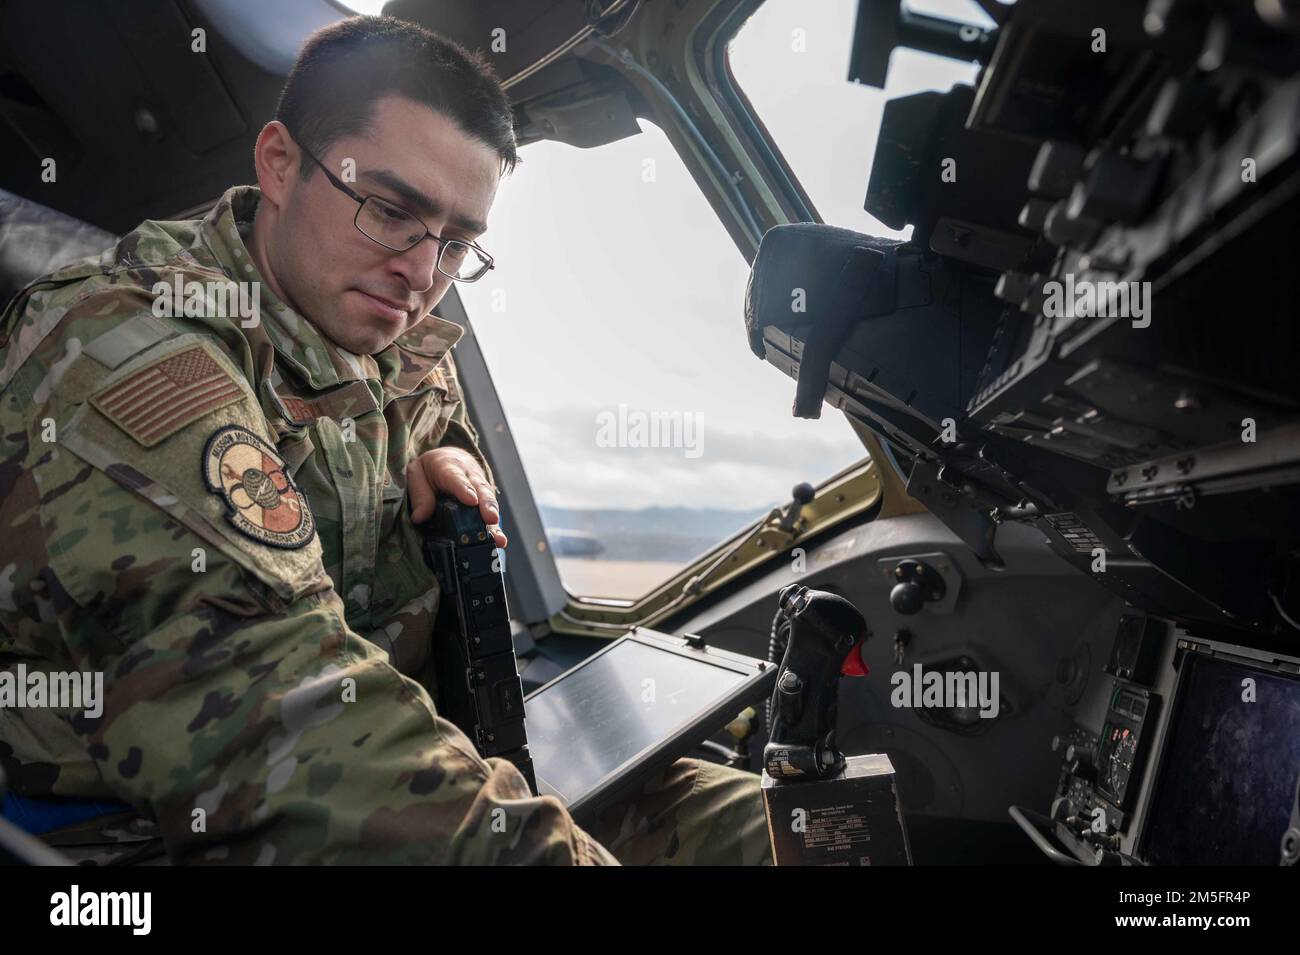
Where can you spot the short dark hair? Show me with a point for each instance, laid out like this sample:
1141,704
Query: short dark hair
345,67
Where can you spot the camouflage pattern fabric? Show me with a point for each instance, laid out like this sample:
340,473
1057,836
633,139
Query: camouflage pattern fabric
210,510
696,813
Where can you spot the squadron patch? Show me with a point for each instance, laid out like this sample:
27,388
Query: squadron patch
262,500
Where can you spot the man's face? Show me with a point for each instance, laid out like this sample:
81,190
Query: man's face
358,293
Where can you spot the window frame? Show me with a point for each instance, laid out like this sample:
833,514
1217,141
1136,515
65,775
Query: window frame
729,127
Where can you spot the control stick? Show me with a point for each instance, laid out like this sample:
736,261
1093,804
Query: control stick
826,635
822,807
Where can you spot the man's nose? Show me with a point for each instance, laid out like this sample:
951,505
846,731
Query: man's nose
418,265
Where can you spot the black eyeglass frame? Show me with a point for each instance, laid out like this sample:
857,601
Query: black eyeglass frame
361,201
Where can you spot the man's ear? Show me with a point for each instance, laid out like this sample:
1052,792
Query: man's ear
276,157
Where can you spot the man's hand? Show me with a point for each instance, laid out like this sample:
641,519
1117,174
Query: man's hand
452,471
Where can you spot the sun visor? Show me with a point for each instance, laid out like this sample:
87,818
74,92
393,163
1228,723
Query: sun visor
877,321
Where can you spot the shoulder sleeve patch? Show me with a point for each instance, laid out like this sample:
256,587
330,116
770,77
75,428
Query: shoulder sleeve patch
261,499
218,473
162,397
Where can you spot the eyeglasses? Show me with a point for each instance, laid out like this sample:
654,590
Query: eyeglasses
397,230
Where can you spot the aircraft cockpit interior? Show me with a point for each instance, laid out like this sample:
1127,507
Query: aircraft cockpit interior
994,533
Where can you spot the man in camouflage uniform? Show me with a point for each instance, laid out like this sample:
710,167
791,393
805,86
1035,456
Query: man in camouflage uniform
215,505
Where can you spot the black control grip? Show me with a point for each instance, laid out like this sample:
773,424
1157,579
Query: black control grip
477,679
824,629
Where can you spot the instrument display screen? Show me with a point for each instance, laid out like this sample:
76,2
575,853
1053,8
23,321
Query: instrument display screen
1228,774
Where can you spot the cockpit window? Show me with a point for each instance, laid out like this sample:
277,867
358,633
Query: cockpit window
791,58
613,329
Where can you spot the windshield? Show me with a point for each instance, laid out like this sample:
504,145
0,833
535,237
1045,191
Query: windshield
792,60
613,329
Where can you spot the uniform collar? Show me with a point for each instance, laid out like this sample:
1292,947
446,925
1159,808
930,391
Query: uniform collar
400,369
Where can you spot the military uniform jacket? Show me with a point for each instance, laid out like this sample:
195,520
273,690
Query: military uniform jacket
209,508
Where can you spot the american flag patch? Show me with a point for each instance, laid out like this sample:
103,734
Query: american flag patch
298,410
160,399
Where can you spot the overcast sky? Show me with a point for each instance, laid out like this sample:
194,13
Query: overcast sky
611,289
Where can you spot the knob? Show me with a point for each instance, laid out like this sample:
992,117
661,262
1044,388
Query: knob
802,494
918,583
1106,838
1055,169
1081,762
1014,287
1069,227
907,597
1077,824
790,682
1033,215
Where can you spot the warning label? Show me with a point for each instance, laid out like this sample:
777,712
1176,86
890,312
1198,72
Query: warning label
835,829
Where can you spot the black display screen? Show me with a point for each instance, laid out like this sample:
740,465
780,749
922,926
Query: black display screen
1228,774
613,707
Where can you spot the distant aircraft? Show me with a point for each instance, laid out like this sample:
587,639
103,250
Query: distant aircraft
566,543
